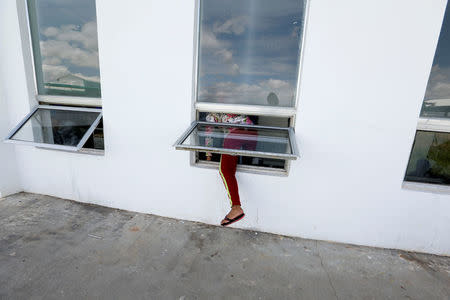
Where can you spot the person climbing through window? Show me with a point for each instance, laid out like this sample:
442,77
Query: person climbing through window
235,138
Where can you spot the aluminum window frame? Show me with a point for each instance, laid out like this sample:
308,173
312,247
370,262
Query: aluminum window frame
27,43
434,124
257,110
76,148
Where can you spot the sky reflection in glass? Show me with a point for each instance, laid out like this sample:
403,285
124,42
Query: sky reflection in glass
64,34
249,51
437,96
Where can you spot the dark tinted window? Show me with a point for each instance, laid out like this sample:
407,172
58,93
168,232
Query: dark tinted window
430,158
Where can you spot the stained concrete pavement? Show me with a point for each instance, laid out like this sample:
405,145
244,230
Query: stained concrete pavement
52,248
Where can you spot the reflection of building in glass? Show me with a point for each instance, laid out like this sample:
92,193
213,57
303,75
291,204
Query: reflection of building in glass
73,85
438,108
430,158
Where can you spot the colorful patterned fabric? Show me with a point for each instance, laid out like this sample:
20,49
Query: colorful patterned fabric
224,118
228,118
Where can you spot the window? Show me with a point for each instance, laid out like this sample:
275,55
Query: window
429,161
64,128
248,57
256,141
64,48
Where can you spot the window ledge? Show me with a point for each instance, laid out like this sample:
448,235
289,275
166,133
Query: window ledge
69,100
244,169
426,187
96,152
92,152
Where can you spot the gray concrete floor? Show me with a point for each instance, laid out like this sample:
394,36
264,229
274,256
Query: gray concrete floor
54,249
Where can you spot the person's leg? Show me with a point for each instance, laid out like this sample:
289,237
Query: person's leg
227,171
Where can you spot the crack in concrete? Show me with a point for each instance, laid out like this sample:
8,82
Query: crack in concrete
326,271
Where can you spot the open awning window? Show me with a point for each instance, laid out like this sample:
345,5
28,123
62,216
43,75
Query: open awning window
56,127
243,140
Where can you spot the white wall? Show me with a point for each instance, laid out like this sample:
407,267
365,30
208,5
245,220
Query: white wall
366,66
9,175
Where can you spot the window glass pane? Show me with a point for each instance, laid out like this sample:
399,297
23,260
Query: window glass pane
56,127
437,97
238,138
64,35
430,158
249,51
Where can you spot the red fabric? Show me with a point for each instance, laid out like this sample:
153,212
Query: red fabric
239,138
236,139
228,165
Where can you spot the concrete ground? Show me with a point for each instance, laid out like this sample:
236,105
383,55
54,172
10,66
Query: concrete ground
57,249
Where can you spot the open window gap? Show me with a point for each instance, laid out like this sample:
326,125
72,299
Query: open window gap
271,121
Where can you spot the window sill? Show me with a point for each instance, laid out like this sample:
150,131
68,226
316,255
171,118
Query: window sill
92,152
69,100
242,168
83,151
426,187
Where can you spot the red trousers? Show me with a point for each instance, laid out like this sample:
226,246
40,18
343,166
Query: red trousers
236,139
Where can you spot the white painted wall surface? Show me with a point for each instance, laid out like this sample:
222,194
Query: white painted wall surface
365,71
9,175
